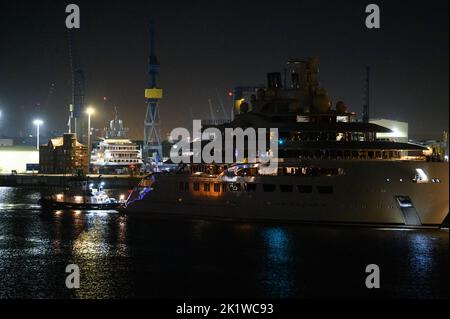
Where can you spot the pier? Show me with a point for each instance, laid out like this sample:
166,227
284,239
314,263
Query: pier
60,180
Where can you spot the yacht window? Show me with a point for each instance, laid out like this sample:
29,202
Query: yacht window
216,188
304,188
196,187
286,188
206,187
224,188
269,187
325,189
250,171
250,187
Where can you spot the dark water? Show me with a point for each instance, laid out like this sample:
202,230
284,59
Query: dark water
124,257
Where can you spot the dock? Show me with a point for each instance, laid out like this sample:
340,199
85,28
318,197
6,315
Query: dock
60,180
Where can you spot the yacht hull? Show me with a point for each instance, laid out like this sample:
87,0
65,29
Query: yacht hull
369,193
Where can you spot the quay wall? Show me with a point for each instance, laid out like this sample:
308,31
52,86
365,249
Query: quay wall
50,180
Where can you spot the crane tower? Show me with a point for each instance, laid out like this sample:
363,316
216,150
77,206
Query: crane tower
152,134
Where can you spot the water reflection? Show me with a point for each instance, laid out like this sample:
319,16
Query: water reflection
125,257
421,256
278,268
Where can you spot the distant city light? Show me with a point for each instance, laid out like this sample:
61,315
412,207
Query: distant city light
38,122
230,93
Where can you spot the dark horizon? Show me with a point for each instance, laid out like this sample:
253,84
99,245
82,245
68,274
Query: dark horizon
207,48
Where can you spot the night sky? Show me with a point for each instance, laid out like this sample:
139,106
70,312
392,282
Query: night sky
207,47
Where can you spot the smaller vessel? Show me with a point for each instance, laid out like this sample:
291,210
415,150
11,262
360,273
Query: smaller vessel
81,194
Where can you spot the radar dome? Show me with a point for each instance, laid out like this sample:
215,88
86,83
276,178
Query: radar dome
341,107
321,103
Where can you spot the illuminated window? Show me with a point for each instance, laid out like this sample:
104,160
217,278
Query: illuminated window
216,188
421,176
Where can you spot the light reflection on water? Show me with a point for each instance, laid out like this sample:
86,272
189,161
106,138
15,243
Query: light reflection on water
279,271
121,257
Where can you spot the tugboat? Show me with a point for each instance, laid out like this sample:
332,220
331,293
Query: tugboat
80,194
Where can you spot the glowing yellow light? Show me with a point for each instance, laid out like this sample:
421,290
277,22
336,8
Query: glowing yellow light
90,110
237,103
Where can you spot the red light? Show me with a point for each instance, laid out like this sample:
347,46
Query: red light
230,93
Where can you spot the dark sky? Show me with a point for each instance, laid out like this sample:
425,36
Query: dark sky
206,47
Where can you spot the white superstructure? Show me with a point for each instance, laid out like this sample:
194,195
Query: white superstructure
115,154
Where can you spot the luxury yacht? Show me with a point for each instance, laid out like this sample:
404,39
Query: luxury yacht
331,168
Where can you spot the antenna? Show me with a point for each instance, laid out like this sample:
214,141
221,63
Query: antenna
366,107
221,104
211,109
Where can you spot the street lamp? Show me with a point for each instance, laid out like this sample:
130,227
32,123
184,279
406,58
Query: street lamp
1,124
38,123
89,111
